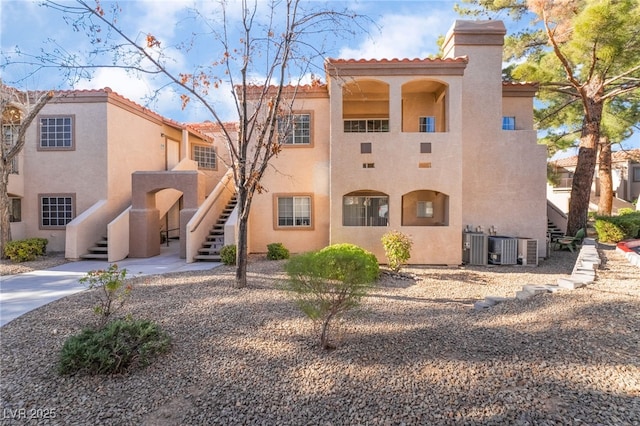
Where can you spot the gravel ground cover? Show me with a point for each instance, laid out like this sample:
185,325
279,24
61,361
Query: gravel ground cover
417,354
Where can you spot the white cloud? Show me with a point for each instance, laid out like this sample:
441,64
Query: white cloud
402,36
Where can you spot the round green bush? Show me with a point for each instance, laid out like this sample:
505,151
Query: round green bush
228,254
277,251
117,347
328,283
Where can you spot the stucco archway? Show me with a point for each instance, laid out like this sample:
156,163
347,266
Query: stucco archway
144,217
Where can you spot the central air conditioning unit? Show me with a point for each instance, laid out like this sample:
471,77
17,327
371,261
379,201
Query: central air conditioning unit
528,251
503,250
474,248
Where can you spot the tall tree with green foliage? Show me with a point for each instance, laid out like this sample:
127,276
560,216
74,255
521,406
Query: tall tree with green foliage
584,52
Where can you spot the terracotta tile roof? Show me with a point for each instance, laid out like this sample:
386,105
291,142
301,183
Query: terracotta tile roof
617,156
210,126
520,84
107,92
462,59
302,89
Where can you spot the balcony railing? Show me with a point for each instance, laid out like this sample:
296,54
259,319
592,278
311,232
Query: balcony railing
366,126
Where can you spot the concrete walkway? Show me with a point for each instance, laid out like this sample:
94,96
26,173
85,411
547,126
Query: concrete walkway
24,292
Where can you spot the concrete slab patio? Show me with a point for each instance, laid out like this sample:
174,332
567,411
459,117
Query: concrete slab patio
24,292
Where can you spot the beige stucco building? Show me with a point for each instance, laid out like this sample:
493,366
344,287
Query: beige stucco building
428,147
73,184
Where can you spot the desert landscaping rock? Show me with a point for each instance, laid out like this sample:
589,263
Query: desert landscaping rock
417,353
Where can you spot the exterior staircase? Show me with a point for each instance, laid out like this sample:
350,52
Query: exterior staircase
98,252
210,251
553,231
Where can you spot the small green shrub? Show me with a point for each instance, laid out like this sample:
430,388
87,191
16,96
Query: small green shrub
228,254
118,347
328,283
625,210
397,248
617,228
111,288
608,232
26,250
277,251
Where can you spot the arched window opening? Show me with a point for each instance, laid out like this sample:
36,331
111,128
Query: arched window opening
424,106
365,208
425,208
365,106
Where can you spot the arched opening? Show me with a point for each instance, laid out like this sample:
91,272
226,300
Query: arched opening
365,106
424,106
425,208
365,208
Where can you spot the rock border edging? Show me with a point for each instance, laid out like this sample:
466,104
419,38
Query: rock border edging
625,247
584,272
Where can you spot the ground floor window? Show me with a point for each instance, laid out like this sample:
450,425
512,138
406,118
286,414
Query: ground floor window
293,211
56,210
365,208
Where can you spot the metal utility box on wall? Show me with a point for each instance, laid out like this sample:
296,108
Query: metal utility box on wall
474,248
528,251
503,250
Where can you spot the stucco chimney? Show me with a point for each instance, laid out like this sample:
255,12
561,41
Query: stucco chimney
481,42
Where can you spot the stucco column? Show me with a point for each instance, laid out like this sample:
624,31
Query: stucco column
395,106
185,217
144,240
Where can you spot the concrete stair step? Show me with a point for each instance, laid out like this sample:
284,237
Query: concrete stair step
98,249
207,258
95,256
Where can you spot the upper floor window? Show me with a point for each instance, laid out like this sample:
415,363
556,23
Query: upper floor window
508,123
294,211
295,129
15,210
9,138
427,124
366,126
56,210
205,156
56,132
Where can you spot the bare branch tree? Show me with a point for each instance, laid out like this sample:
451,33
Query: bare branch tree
275,48
19,110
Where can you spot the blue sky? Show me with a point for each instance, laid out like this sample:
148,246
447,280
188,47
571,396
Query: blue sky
400,29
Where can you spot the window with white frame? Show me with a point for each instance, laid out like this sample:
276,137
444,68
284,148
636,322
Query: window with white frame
636,174
366,126
365,208
295,129
427,124
508,123
294,211
205,156
15,210
10,138
56,210
56,132
424,209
